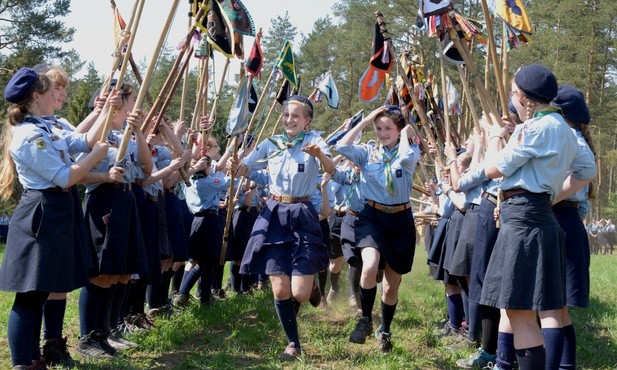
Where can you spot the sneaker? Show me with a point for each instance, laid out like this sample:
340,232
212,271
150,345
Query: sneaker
480,360
181,300
385,340
315,298
55,353
291,352
332,296
363,329
219,294
352,301
37,365
141,321
117,340
90,346
448,330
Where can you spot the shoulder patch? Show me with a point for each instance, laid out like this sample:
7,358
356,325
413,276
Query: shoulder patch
41,144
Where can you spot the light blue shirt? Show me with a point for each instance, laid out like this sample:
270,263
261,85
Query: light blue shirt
291,173
373,178
539,154
582,194
350,183
42,157
206,192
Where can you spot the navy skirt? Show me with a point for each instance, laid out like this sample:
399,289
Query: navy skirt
577,256
436,253
165,250
460,265
206,240
486,235
243,221
526,269
176,230
150,226
336,249
454,231
44,250
114,227
286,240
348,240
392,234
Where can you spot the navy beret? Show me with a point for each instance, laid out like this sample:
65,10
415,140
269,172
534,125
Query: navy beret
537,82
19,86
572,103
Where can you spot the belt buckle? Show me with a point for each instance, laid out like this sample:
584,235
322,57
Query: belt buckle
287,198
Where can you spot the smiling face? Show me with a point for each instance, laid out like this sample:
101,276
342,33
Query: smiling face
61,94
387,131
294,119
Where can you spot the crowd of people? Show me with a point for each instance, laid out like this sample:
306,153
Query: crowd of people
602,237
506,236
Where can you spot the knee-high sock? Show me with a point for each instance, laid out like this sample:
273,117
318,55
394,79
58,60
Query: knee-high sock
53,315
167,276
154,289
287,317
89,304
322,278
137,297
208,275
235,277
217,278
490,328
177,279
102,322
367,298
24,320
387,314
474,322
454,305
553,343
117,302
531,358
189,280
506,353
568,357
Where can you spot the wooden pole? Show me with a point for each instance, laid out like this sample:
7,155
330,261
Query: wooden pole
503,96
444,92
469,98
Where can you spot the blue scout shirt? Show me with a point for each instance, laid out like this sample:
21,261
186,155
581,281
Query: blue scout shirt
205,192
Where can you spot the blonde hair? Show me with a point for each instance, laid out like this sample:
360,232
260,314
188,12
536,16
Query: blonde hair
58,77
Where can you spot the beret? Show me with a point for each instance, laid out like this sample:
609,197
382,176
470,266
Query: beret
572,103
537,82
19,86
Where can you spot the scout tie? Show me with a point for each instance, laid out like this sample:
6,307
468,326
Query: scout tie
283,145
387,158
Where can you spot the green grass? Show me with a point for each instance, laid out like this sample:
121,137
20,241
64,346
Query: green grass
242,332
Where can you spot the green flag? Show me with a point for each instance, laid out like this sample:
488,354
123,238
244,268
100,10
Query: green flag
286,63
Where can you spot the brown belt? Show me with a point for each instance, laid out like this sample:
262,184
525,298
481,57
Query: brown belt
289,199
352,213
490,197
139,182
154,198
507,194
388,209
207,212
566,204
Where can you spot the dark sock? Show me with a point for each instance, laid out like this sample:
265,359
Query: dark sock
473,322
334,280
217,278
115,313
89,304
246,281
189,280
354,282
167,275
208,274
553,343
531,358
465,300
154,293
367,299
24,318
53,314
138,300
490,327
568,357
102,322
505,351
296,306
387,314
322,280
287,317
235,277
176,280
454,304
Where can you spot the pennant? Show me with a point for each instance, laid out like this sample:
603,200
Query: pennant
371,83
218,29
253,99
434,7
238,45
239,114
382,56
121,38
512,12
256,59
392,98
239,17
453,97
287,64
284,92
471,28
353,122
329,90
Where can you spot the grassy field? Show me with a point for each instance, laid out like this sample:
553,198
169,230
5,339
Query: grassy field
242,332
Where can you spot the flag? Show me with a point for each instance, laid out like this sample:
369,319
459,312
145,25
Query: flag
253,99
381,55
353,122
256,59
370,84
287,64
453,97
434,7
239,114
512,12
284,92
328,89
218,29
238,45
238,16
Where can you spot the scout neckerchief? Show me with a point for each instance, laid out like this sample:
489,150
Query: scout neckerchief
387,157
545,111
283,144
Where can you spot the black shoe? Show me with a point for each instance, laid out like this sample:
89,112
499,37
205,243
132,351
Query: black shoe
315,298
363,329
385,340
118,341
291,352
55,353
90,346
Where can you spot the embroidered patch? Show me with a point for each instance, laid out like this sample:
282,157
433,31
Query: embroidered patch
399,173
300,167
41,144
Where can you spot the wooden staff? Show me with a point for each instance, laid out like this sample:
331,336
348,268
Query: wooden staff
469,98
444,92
138,77
503,97
206,133
202,92
139,4
144,88
185,82
505,63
